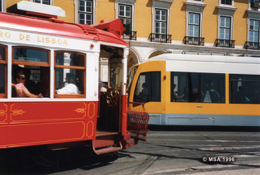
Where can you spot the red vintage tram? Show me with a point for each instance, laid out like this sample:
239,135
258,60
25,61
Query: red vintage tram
47,50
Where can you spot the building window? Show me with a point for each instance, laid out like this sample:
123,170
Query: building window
125,14
160,24
85,12
225,29
194,24
42,1
254,34
227,2
194,30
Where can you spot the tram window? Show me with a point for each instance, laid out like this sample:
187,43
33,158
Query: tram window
148,87
130,78
69,74
30,54
2,71
197,87
34,64
244,89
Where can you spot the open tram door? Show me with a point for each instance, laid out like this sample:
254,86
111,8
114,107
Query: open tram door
112,132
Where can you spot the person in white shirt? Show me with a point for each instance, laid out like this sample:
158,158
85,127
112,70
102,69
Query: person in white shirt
70,87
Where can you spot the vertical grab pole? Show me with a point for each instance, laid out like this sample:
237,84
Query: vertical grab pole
124,104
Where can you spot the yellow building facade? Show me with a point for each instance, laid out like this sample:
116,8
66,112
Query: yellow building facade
214,27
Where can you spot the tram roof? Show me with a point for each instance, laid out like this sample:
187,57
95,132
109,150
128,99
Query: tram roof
54,26
206,58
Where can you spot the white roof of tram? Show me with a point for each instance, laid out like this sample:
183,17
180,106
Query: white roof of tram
210,64
207,58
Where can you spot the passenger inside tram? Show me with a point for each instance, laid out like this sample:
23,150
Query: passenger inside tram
20,79
69,87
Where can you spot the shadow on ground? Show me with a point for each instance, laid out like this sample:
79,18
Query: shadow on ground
26,161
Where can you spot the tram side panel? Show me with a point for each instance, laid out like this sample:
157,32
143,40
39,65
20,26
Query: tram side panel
50,122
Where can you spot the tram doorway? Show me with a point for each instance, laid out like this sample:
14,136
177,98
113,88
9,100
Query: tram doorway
110,76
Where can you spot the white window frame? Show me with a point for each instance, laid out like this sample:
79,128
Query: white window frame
248,28
51,1
163,6
188,11
76,4
248,37
200,26
231,25
128,3
160,21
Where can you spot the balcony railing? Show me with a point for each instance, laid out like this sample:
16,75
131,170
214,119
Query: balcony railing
252,45
194,40
225,43
163,38
131,36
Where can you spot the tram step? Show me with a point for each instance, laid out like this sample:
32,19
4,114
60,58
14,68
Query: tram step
107,150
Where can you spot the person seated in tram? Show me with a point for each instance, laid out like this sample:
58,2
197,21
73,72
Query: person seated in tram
23,92
70,87
145,92
212,95
175,96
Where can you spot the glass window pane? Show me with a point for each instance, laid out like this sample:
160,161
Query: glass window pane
69,81
222,22
197,87
128,8
244,89
28,54
69,59
128,21
163,30
196,31
148,87
190,30
2,78
191,18
227,34
197,19
222,32
228,22
46,2
2,53
128,14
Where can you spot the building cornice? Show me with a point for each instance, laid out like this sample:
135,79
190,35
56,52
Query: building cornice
196,3
226,7
194,48
169,1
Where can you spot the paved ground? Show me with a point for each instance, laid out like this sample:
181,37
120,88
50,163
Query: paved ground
165,152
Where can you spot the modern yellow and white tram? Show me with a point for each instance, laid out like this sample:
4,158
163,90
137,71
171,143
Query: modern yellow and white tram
197,90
